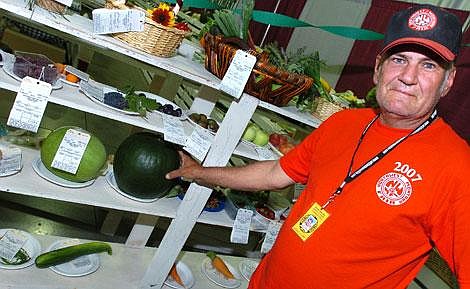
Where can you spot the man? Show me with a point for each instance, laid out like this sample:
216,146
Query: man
382,188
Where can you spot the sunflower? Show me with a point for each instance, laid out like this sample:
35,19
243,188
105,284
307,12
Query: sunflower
163,15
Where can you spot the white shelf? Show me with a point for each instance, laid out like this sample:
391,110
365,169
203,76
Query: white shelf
124,269
180,64
99,194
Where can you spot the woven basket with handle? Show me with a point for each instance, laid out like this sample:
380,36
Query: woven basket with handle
325,109
51,5
156,39
266,82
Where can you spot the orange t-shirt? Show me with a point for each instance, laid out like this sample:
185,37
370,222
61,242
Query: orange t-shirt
383,225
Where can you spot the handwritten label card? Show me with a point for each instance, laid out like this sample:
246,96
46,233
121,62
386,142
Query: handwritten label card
114,20
30,104
238,72
173,130
67,3
10,243
271,235
78,73
198,143
70,151
241,227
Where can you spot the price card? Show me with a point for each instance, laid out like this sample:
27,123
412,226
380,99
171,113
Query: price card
70,151
265,153
115,20
271,235
173,130
78,73
29,105
237,74
241,226
198,143
67,3
10,160
10,243
91,90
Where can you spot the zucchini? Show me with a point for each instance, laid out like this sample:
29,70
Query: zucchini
66,254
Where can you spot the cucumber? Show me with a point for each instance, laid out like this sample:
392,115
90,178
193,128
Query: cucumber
66,254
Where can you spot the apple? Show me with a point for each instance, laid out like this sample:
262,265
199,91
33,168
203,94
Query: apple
286,147
250,133
275,139
261,138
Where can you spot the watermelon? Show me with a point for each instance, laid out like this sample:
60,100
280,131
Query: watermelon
92,163
141,163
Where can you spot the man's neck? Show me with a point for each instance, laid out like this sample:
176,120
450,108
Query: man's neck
396,121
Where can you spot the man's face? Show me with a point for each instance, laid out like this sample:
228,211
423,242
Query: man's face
410,83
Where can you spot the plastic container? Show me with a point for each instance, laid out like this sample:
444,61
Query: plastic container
36,66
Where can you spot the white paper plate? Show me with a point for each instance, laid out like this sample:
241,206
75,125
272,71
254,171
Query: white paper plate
163,101
247,268
31,246
8,68
128,112
185,274
112,182
44,173
219,279
9,173
62,78
80,266
188,113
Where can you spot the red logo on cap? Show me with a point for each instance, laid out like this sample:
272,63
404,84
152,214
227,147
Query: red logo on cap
422,20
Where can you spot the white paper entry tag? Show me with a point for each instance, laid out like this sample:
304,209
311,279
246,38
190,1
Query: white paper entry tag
70,151
11,162
10,243
173,130
198,143
237,74
78,73
265,153
115,20
92,91
241,227
30,104
67,3
271,235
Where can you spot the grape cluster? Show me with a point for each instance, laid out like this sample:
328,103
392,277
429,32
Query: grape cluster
115,99
170,110
32,65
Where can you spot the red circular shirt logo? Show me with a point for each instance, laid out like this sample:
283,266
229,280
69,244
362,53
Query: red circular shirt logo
422,20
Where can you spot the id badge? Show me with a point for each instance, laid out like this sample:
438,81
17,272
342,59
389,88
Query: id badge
310,221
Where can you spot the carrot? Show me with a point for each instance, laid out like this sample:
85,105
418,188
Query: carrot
219,265
174,274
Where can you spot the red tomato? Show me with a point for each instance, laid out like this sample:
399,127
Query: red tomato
265,212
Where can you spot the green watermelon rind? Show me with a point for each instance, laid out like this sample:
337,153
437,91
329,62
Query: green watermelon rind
91,164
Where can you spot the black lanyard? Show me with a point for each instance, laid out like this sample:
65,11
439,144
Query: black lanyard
351,176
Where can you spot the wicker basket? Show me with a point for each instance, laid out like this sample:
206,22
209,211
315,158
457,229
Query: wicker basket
325,109
51,5
156,39
219,54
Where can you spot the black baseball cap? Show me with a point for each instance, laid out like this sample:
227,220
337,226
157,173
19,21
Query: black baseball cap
428,26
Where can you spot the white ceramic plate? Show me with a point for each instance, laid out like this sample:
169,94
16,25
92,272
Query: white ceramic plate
188,113
186,276
163,101
112,182
219,279
44,173
109,106
31,246
80,266
247,267
62,78
8,63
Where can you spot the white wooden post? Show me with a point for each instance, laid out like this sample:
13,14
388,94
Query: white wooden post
141,231
226,139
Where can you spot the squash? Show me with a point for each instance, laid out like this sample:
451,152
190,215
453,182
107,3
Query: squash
141,163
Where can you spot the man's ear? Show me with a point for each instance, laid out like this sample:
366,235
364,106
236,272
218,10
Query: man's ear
448,82
377,68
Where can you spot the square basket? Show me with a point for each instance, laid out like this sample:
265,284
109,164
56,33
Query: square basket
324,109
266,82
